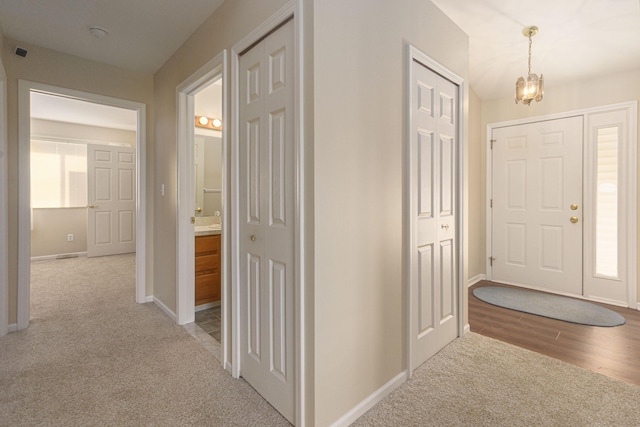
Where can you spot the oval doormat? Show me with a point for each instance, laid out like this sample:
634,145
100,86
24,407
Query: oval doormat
547,305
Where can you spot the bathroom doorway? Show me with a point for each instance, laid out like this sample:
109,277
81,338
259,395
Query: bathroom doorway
203,247
208,207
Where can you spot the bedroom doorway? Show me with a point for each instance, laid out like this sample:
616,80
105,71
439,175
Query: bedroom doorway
69,182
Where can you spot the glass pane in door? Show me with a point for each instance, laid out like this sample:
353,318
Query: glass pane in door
606,221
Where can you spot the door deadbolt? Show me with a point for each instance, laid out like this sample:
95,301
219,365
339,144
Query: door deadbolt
574,207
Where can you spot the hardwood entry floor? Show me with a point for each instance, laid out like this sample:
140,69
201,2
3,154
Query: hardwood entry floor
614,352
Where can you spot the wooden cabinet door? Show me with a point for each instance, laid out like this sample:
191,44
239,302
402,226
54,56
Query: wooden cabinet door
207,269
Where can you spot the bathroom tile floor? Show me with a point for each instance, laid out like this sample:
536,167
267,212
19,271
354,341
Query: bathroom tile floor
209,321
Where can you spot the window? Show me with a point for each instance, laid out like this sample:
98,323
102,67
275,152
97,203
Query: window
606,213
58,175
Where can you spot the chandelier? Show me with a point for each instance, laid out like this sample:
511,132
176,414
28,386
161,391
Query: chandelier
533,86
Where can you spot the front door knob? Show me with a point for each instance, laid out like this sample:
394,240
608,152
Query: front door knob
573,219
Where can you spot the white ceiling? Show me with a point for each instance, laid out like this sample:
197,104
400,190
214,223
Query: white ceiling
143,34
578,39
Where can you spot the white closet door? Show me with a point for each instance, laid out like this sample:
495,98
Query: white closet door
433,169
267,218
111,216
537,205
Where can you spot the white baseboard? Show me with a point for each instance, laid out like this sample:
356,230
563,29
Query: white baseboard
368,403
164,308
476,279
467,329
206,306
58,256
148,298
12,328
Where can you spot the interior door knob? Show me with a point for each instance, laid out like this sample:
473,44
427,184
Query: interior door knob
253,238
573,219
93,206
445,226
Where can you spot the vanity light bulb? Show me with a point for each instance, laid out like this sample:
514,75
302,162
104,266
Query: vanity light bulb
203,121
217,123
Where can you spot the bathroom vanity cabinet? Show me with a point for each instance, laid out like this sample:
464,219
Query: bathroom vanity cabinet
207,280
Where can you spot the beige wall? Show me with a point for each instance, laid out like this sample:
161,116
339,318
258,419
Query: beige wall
50,229
228,25
611,89
360,55
477,189
58,69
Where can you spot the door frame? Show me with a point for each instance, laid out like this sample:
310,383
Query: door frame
414,54
630,195
185,253
291,10
4,209
24,183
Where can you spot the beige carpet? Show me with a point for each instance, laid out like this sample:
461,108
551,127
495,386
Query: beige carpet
478,381
92,356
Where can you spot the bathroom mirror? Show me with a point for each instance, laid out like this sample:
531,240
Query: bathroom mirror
208,170
208,150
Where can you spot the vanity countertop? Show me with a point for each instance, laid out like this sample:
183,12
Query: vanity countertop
207,230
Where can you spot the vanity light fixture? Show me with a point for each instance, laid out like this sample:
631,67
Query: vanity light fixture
531,88
208,123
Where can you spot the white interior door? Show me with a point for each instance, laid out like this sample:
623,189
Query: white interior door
266,229
111,218
537,205
433,169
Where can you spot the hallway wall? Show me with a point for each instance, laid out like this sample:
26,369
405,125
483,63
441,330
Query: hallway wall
360,57
58,69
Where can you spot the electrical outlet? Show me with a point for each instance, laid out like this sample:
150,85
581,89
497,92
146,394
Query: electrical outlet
69,237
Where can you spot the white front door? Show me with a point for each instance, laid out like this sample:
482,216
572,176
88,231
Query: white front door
537,205
112,205
434,210
266,213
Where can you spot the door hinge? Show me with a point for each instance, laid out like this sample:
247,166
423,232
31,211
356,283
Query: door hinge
492,141
491,259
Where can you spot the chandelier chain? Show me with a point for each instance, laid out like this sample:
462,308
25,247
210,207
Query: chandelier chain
529,71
